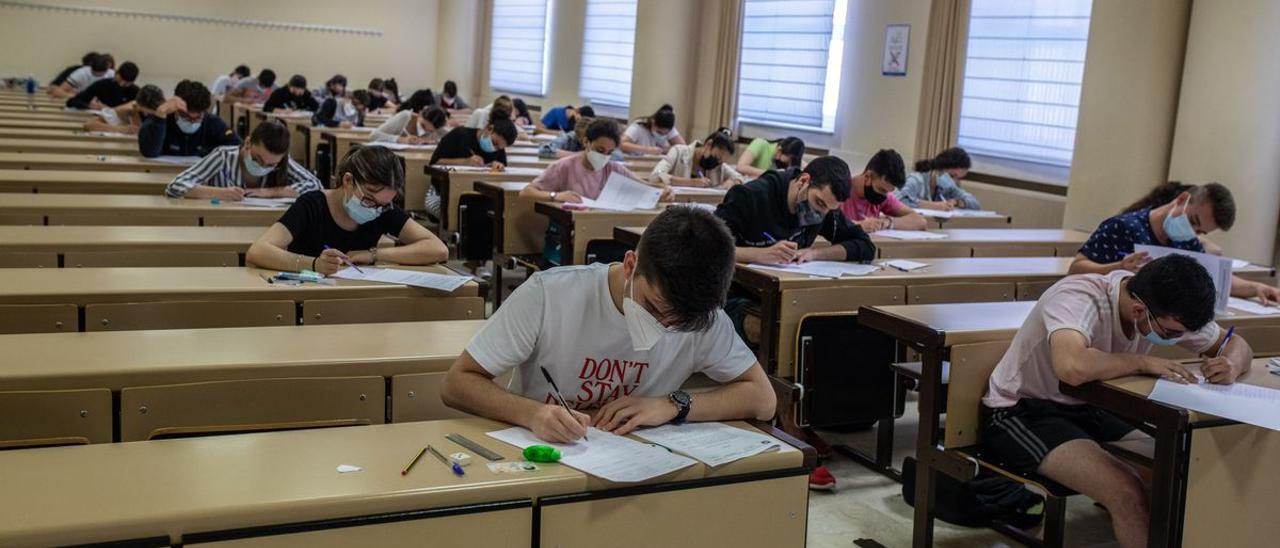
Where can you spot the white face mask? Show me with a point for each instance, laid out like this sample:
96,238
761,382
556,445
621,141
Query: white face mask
645,330
597,160
348,109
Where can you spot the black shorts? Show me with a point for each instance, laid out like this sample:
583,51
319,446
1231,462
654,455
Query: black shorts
1019,437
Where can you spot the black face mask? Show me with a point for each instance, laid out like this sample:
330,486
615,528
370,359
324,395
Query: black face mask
708,163
874,196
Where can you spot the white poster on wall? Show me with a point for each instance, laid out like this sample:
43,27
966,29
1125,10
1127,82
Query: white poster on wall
897,40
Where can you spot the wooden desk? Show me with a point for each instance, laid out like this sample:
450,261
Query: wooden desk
127,210
45,115
986,242
41,124
999,221
83,182
61,146
86,162
67,243
314,136
64,135
580,227
452,184
292,121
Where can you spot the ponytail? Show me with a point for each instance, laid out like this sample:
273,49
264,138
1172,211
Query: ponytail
721,139
952,158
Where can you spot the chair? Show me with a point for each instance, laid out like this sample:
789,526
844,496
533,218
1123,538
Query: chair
960,292
391,309
43,418
39,318
28,259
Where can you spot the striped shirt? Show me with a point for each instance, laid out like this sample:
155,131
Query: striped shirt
221,169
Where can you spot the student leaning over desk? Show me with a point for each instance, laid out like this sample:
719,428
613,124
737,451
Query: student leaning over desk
325,229
261,168
293,97
700,164
254,90
652,134
762,155
421,124
619,340
183,125
127,118
872,204
108,92
935,183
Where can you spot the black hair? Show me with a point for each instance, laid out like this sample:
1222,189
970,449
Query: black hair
436,115
1223,203
361,96
242,71
830,171
273,135
664,117
111,61
128,71
377,84
887,163
952,158
522,110
1176,286
100,63
450,88
503,127
686,253
194,94
586,111
722,139
298,81
337,79
420,99
267,78
604,127
372,164
150,96
793,149
390,86
88,58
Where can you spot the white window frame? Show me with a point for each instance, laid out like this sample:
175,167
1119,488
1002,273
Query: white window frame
499,85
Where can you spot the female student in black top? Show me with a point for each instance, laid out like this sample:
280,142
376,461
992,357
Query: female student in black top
465,146
327,229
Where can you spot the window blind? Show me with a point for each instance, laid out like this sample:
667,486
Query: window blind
518,46
608,46
783,72
1023,71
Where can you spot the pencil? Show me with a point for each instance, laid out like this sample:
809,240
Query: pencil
556,390
413,462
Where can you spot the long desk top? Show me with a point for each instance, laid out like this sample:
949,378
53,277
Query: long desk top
118,238
67,146
119,359
991,236
964,269
125,203
20,160
41,124
89,182
161,284
65,135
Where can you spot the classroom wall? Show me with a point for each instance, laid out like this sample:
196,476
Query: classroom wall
458,47
43,43
1030,209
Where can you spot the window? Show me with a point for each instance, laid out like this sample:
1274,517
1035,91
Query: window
789,74
608,45
1022,76
518,46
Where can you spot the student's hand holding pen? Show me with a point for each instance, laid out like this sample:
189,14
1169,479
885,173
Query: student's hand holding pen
331,261
556,424
782,252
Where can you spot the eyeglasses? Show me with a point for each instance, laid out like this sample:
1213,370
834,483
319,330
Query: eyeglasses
370,202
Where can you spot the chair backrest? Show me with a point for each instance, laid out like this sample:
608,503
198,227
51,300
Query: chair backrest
1031,291
42,418
391,309
28,259
416,397
971,367
39,318
124,219
88,259
931,250
252,405
21,219
961,292
1014,250
843,388
188,315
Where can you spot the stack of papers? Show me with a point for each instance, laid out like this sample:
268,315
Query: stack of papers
401,146
606,455
825,269
532,171
1247,403
956,213
621,193
180,160
910,235
1252,307
1218,267
711,442
429,280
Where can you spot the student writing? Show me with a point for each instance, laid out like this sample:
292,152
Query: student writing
700,164
428,124
260,168
872,203
762,155
652,135
127,118
292,97
183,125
226,82
100,66
935,183
256,89
343,112
108,92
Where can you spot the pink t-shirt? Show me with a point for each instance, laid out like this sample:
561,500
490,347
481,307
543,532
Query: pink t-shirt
1085,303
857,208
568,174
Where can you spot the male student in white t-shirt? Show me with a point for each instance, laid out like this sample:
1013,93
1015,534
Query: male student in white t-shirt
619,340
1093,327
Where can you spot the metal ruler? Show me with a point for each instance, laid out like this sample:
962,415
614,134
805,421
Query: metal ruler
473,446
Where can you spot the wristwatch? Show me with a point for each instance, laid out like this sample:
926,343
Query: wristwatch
683,402
553,196
373,255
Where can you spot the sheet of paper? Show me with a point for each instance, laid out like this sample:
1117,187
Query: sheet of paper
401,146
1250,404
711,442
693,190
180,160
904,265
542,138
1219,269
825,269
606,455
429,280
531,171
1237,263
108,134
1252,307
266,202
910,235
621,193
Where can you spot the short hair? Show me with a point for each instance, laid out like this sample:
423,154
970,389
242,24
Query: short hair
664,117
110,60
830,171
503,102
952,158
377,84
793,149
604,127
722,139
194,94
372,164
505,128
242,71
450,88
360,96
273,135
436,115
128,71
267,78
1223,204
336,79
686,253
100,63
298,81
1176,286
586,111
887,163
150,96
418,101
88,58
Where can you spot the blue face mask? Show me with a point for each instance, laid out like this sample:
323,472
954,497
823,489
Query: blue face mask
486,144
1179,228
359,212
254,168
187,126
1151,336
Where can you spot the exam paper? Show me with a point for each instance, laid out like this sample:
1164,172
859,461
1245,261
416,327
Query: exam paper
266,202
621,193
910,235
711,442
1252,307
606,455
402,146
825,269
180,160
1218,267
1247,403
904,265
429,280
1237,263
533,171
956,213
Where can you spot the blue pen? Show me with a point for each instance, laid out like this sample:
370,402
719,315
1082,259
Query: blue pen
769,238
1230,331
348,263
457,468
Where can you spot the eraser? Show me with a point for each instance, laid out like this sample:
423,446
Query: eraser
462,459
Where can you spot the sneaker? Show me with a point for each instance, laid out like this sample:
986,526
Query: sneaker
821,479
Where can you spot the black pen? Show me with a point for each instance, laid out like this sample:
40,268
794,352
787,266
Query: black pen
555,390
